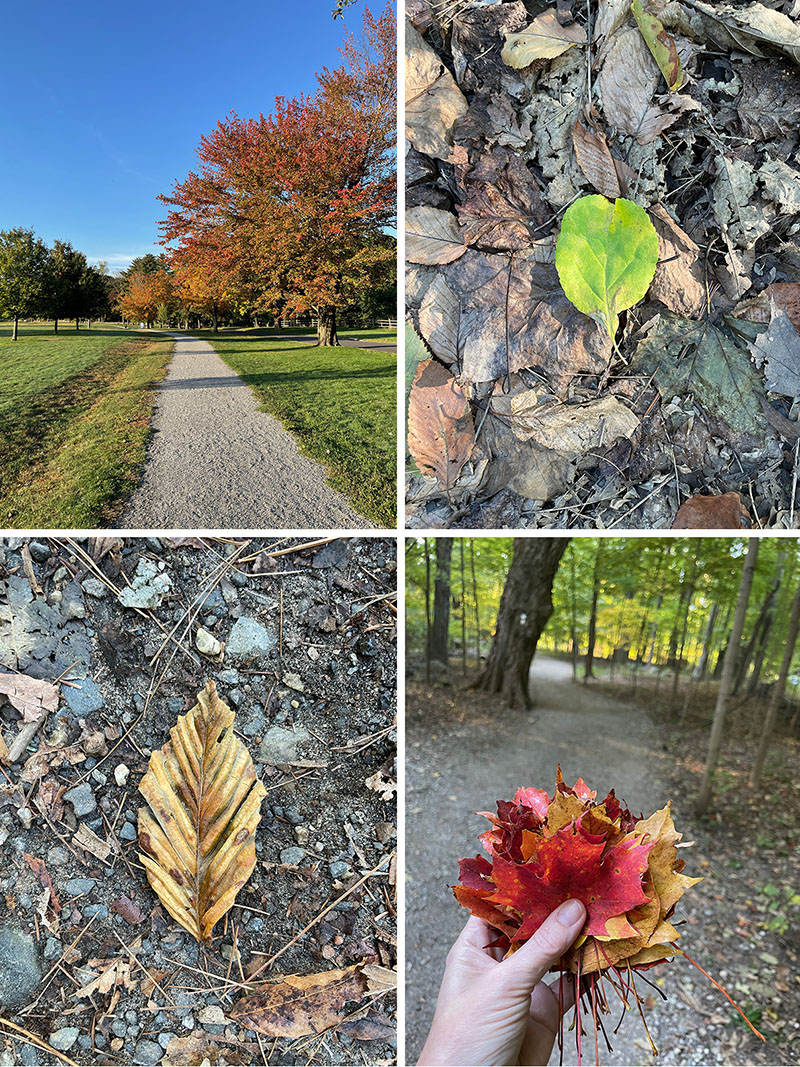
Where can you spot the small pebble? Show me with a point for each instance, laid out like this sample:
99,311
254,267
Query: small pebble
100,910
340,869
78,887
81,798
128,832
147,1052
25,816
121,772
293,856
119,1028
39,551
65,1038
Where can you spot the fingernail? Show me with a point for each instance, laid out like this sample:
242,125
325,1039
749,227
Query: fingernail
569,912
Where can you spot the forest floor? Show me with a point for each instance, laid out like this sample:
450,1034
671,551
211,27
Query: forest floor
514,115
216,461
464,752
90,962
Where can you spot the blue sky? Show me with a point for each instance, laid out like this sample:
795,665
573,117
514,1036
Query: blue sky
102,105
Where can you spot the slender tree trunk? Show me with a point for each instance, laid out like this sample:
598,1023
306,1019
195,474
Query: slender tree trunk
55,325
463,608
778,691
573,616
702,664
439,644
326,327
15,331
475,602
427,612
689,593
214,320
762,626
715,741
77,323
525,607
587,673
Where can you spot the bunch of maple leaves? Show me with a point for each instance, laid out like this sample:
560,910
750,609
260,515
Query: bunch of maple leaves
547,849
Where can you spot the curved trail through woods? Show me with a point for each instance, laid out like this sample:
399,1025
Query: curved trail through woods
217,462
456,766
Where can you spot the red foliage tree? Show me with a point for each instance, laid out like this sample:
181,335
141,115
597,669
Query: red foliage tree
291,209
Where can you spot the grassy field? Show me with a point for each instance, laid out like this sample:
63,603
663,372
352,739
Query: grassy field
74,421
339,402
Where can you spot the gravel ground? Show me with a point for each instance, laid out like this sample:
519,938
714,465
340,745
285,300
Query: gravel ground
217,462
464,753
310,669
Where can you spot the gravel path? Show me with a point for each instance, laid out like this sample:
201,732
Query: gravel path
217,462
463,763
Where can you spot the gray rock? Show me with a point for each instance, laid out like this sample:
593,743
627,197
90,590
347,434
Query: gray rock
39,551
165,1038
340,869
57,856
280,746
72,602
229,677
94,587
86,700
147,1052
20,972
249,638
28,1056
82,799
52,949
239,580
293,856
79,887
187,1022
100,910
149,587
128,832
64,1038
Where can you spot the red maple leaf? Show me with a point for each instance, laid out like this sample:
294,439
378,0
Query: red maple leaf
568,865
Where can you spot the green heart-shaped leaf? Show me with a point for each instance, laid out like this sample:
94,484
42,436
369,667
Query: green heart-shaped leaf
606,257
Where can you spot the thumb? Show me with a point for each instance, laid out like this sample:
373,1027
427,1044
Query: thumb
530,963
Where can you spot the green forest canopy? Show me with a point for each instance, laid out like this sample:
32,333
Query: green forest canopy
644,587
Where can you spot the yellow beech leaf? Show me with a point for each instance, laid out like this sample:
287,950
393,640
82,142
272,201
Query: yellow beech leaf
197,833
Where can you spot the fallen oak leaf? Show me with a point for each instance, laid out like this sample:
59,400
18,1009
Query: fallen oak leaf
441,433
197,833
297,1005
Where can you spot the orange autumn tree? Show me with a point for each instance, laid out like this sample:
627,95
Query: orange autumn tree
207,292
145,294
292,208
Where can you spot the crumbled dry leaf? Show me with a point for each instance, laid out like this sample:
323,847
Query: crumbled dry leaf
383,784
724,512
787,297
678,282
434,103
741,219
32,696
296,1005
116,975
89,841
573,429
503,203
440,428
200,1050
433,236
379,979
777,351
204,800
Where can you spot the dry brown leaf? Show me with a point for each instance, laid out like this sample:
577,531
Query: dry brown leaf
197,834
724,512
434,103
544,38
627,82
439,318
678,282
32,696
200,1049
595,160
440,428
433,236
503,204
573,429
379,979
535,473
3,749
300,1004
115,973
787,297
89,841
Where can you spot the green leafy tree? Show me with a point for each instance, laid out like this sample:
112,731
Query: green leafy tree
65,270
23,275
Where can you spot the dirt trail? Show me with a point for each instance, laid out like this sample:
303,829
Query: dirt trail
217,462
454,768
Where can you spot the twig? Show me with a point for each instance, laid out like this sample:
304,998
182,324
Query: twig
32,1039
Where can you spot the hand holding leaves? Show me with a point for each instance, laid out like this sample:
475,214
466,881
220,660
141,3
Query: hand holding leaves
606,256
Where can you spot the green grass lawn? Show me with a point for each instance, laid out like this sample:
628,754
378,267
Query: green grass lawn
340,403
74,421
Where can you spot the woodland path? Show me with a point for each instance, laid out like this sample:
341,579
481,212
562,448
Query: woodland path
217,462
458,764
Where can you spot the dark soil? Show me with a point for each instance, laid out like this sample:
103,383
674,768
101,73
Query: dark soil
325,678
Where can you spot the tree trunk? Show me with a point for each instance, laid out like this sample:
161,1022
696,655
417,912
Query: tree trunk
327,336
441,601
593,617
762,626
687,599
463,609
715,741
214,320
702,664
475,602
573,615
55,325
15,331
77,323
525,607
777,693
427,612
